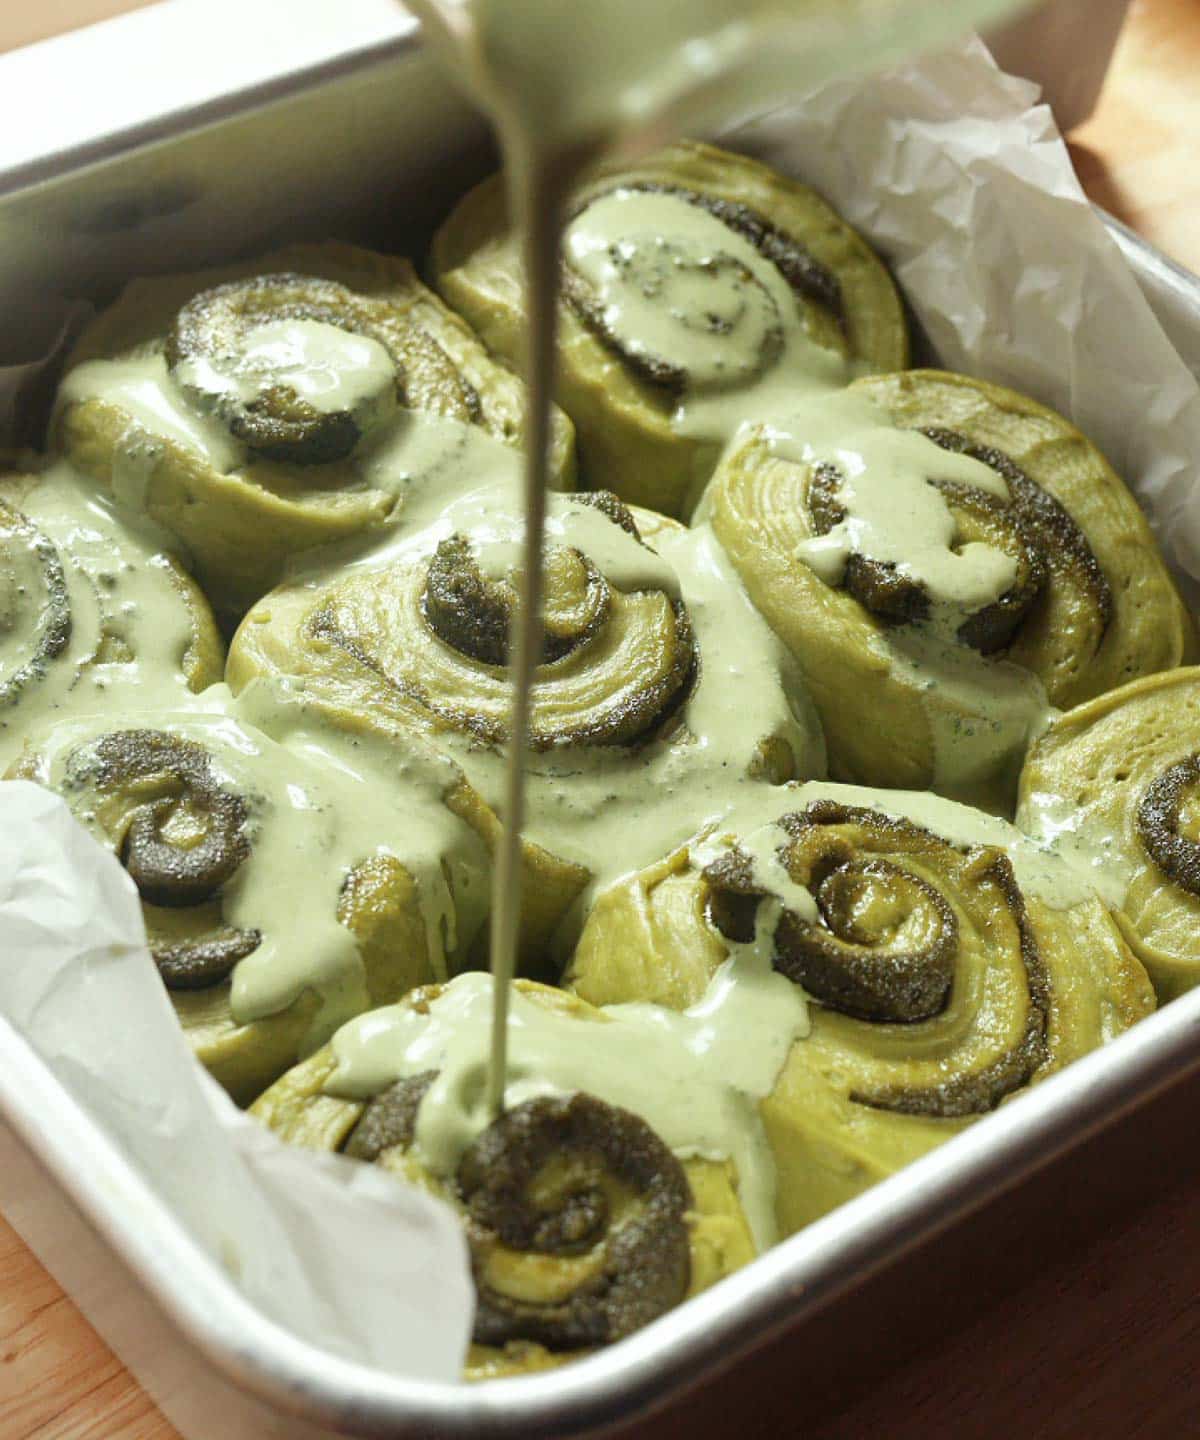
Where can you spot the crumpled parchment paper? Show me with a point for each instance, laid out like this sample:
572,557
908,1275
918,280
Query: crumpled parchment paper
336,1250
963,183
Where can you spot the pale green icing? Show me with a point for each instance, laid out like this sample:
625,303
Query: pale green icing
1060,877
331,369
318,804
1051,821
621,558
567,80
691,1074
157,408
694,1076
768,872
983,713
422,458
893,513
673,283
395,791
652,263
611,809
121,596
427,460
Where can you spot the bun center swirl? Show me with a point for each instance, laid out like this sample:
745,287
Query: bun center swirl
970,543
1024,534
1051,541
181,836
907,936
618,660
575,1215
473,612
689,289
299,369
885,945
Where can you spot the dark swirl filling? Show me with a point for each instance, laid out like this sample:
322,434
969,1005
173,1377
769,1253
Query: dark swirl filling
181,837
1032,527
885,944
569,1179
898,971
650,267
29,563
1161,823
471,614
389,1121
278,423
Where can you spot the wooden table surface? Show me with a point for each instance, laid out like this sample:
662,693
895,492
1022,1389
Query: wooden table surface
1068,1310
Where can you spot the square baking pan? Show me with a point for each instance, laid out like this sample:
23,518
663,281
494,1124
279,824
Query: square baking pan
351,132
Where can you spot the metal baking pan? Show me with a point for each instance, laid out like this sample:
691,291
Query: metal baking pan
371,145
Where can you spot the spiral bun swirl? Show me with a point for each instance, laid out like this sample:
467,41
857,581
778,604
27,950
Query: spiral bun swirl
946,968
1120,777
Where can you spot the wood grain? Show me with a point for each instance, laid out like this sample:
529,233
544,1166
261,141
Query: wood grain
23,24
1066,1310
1137,155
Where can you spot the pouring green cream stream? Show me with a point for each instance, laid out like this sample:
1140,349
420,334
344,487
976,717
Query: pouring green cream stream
564,85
